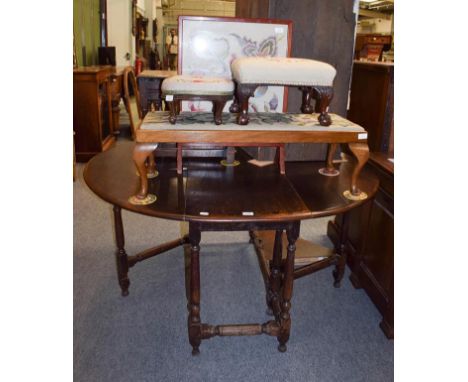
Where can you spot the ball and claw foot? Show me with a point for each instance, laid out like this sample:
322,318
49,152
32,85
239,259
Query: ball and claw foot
195,351
243,120
282,348
324,119
172,119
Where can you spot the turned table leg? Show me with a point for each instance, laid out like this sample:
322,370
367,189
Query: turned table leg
292,233
360,151
340,249
274,283
330,169
323,96
141,153
194,322
120,254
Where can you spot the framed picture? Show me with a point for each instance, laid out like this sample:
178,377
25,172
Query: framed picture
208,45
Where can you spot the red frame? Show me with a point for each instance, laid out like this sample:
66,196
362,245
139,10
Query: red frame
181,19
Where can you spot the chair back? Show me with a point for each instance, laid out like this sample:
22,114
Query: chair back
132,99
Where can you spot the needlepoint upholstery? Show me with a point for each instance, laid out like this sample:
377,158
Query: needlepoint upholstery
194,85
282,71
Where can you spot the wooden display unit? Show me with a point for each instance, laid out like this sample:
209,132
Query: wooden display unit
369,242
96,96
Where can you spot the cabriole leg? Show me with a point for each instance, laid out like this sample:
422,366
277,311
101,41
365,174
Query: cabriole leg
323,96
244,92
141,153
360,151
306,107
218,107
330,170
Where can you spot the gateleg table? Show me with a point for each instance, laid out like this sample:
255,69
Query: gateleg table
212,197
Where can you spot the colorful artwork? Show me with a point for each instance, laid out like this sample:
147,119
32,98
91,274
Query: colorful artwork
209,45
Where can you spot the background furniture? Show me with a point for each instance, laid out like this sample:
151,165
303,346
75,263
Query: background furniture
149,85
96,95
132,99
369,241
371,103
371,46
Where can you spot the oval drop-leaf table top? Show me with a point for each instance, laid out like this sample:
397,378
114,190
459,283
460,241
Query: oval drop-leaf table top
208,191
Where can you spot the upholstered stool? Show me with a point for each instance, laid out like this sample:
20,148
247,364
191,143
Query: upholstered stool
192,88
313,78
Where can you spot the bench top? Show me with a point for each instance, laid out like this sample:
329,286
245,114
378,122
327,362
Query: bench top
282,71
262,128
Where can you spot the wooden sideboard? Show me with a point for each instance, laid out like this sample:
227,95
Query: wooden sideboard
369,242
371,103
96,96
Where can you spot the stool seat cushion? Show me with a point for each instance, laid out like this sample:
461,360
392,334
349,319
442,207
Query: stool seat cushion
282,71
195,85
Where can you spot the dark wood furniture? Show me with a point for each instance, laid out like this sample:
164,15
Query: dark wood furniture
96,95
371,103
213,198
149,84
369,241
371,46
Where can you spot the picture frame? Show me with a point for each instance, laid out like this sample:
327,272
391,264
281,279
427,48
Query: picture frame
208,45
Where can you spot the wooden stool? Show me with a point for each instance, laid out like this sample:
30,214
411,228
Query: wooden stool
313,78
191,88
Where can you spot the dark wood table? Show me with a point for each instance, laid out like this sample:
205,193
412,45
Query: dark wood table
211,197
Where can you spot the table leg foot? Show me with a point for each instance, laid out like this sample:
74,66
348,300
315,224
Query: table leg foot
195,351
282,348
141,153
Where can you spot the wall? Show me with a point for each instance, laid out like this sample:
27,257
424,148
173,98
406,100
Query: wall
86,30
374,26
119,26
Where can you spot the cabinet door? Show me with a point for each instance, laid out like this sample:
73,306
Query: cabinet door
377,260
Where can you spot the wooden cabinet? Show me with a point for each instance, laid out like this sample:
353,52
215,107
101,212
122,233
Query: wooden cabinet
369,242
371,103
96,94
